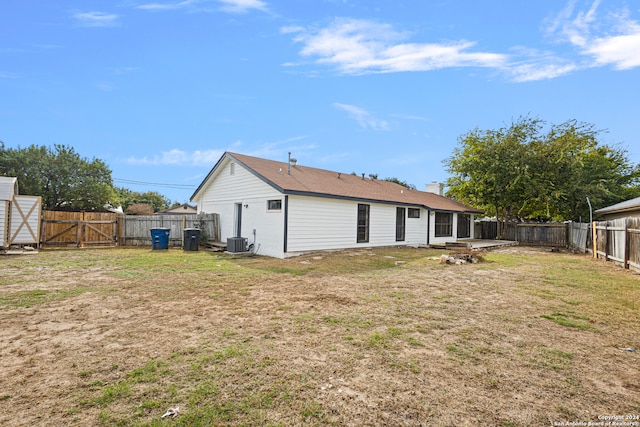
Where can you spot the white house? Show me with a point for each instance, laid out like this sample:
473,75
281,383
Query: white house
284,209
183,209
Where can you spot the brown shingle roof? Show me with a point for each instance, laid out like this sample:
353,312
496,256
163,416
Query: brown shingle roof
319,182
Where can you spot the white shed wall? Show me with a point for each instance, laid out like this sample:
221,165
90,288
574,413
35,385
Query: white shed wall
226,190
4,223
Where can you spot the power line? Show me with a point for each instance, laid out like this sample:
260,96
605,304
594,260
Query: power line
156,184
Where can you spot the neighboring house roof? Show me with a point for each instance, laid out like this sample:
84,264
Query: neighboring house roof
309,181
626,206
179,210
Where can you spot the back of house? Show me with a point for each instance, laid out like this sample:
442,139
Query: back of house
283,209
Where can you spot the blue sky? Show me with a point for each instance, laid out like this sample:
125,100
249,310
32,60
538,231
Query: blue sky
160,89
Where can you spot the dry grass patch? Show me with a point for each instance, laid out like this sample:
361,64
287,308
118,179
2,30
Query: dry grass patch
363,337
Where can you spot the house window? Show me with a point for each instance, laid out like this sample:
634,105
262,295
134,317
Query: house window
413,213
464,226
363,223
444,224
400,222
232,169
274,205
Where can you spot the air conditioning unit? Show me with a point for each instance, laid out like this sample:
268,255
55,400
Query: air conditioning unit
236,244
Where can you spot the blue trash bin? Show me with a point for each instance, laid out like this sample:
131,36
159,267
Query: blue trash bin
160,238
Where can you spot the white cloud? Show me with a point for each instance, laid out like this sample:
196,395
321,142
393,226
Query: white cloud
95,19
411,117
611,38
291,29
533,72
177,157
106,86
230,6
623,51
167,6
124,70
356,46
243,6
363,117
531,65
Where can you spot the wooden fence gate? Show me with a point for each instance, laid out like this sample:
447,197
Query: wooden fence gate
79,229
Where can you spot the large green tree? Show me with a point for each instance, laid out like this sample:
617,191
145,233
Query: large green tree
59,175
126,198
529,170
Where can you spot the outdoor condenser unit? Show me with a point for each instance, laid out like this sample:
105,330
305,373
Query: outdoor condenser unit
236,244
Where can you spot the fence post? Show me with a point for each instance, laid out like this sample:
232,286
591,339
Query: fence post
594,239
184,225
626,244
606,241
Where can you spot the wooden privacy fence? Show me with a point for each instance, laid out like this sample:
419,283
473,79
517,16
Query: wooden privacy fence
531,234
79,229
135,229
83,229
579,236
618,240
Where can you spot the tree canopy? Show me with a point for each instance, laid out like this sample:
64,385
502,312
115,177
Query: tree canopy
523,171
59,175
66,181
403,183
126,198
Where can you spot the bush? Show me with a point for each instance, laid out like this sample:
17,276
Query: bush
140,209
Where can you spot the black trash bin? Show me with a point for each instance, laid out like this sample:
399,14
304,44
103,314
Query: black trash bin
191,239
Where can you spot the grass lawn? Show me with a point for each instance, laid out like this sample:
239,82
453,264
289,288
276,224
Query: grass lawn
385,336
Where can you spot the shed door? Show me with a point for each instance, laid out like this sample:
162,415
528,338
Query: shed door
25,220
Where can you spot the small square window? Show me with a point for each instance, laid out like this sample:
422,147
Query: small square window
413,213
274,205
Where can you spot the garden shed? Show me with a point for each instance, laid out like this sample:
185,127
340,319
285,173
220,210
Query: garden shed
626,209
19,215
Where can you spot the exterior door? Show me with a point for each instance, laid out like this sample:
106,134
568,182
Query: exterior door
237,226
400,224
464,226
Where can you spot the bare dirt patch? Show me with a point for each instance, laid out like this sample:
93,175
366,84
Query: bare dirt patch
117,336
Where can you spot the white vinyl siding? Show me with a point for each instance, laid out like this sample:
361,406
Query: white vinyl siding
323,223
320,223
454,230
225,191
416,230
